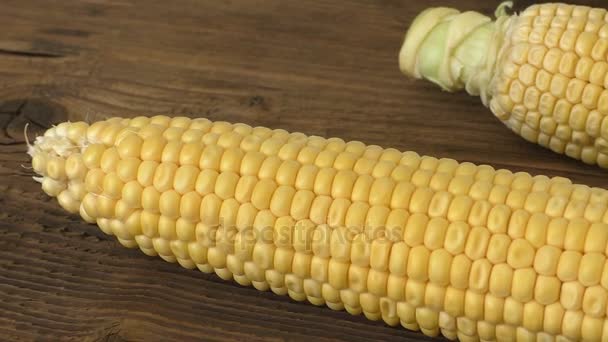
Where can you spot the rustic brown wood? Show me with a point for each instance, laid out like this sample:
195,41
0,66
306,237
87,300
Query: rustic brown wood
325,67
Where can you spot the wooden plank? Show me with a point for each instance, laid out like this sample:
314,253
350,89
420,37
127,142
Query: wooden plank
325,67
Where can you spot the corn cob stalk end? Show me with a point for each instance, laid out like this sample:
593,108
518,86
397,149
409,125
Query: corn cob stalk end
454,49
542,72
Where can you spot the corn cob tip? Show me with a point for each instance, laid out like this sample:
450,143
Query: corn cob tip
52,160
454,49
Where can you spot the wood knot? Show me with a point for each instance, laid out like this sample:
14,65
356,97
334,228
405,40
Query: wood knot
16,113
256,100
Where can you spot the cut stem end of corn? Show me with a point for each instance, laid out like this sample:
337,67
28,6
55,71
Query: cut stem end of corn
543,72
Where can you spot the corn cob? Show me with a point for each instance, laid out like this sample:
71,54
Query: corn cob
543,73
434,245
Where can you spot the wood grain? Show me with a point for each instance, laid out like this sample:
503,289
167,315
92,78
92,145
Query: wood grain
325,67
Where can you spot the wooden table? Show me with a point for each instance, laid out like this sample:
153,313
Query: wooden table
324,67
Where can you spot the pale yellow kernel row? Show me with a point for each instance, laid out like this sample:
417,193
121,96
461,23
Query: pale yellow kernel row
417,177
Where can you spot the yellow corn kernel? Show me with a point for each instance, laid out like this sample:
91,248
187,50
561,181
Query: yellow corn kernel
456,237
594,301
547,290
568,266
571,326
500,281
523,284
459,274
590,269
477,243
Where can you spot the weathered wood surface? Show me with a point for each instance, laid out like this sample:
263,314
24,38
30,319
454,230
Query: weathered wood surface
324,67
